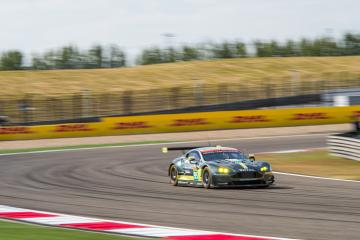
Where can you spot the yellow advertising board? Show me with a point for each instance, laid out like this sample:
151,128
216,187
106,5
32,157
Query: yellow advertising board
186,122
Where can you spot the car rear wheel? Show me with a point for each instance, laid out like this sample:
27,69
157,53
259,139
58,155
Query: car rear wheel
173,175
207,178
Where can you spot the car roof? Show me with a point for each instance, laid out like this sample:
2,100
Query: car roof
215,149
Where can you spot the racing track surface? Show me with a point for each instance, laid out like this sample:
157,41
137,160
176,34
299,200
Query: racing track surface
131,184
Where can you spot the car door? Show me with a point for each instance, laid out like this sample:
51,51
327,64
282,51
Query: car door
191,168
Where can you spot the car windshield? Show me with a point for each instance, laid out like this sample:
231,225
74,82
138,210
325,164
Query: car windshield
221,155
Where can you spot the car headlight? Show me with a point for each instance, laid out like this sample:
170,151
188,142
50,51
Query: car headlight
264,169
223,170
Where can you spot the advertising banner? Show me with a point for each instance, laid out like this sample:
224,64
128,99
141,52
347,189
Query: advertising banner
187,122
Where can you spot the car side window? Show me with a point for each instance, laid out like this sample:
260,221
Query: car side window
195,155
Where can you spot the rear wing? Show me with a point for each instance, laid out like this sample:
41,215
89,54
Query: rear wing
183,149
166,149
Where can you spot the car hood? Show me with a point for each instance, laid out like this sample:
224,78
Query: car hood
238,165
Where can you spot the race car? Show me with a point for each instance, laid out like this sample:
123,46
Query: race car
214,167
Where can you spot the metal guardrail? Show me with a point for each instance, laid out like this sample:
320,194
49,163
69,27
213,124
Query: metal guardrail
344,145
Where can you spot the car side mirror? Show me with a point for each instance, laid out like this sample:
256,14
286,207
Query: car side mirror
252,157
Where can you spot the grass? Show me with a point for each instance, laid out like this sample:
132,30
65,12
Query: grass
82,146
17,231
315,163
251,71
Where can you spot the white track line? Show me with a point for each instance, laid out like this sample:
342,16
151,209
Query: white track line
315,177
294,150
157,144
290,151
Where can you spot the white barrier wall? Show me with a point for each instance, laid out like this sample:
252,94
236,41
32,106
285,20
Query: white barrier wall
343,146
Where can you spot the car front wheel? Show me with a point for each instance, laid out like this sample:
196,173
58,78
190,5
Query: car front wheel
207,178
173,175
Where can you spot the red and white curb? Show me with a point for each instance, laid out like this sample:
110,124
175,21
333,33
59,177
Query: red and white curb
119,227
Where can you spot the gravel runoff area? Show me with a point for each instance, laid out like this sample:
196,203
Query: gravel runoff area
182,136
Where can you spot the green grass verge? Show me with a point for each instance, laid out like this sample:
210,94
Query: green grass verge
315,163
25,150
20,231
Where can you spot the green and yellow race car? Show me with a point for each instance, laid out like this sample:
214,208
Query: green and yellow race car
213,167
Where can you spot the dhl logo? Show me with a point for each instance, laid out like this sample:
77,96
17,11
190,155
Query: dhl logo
15,130
356,114
249,119
73,128
310,116
189,122
131,125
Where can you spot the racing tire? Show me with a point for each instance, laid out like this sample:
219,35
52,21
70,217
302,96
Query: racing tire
173,173
207,178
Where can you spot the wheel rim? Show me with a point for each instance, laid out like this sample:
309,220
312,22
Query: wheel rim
173,174
206,177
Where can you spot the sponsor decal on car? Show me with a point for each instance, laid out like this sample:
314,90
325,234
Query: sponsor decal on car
246,170
15,130
73,128
189,122
249,119
243,165
131,125
196,174
310,116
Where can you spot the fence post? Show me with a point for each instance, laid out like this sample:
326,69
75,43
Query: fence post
86,103
268,89
199,93
2,107
221,93
174,97
25,108
295,78
127,101
76,105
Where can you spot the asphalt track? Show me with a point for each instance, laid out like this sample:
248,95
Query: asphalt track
131,184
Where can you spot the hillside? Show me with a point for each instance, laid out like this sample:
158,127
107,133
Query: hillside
250,71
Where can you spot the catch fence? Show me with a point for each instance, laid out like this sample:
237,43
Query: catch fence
86,104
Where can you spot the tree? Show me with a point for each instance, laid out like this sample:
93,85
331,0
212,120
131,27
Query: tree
117,57
151,56
50,59
11,60
169,55
189,53
306,48
290,49
95,57
351,44
223,50
327,47
38,63
68,58
240,49
267,49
